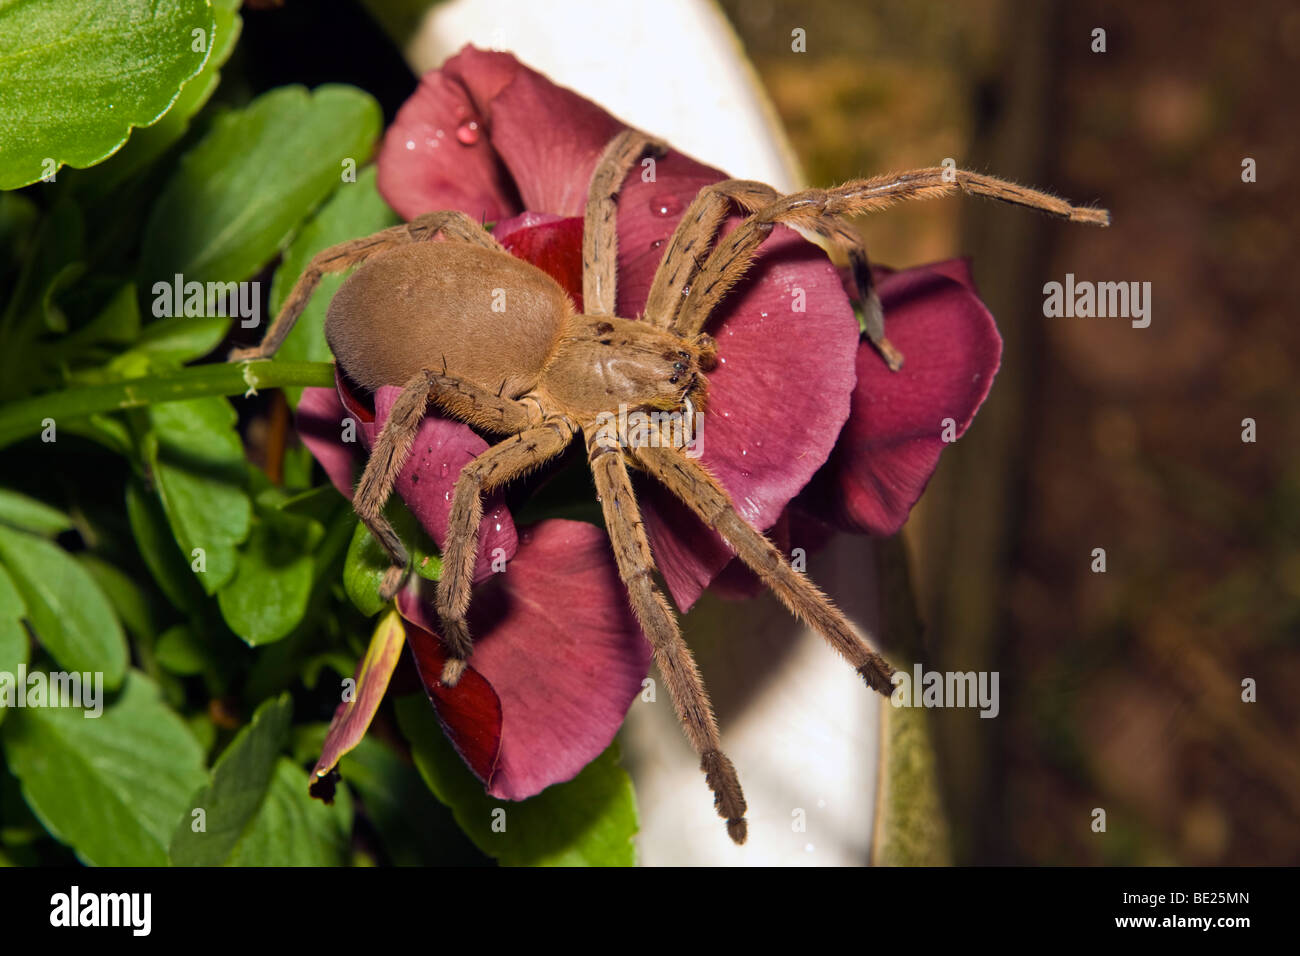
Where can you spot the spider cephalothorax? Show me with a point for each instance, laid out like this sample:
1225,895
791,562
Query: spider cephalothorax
495,341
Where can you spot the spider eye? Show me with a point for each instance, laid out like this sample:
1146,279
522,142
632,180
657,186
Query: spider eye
679,367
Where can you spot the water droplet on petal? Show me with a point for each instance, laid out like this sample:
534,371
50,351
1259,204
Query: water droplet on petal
446,496
467,132
444,469
656,244
665,205
410,144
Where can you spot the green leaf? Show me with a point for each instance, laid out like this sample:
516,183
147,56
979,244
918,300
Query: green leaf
355,209
241,192
158,548
197,462
366,561
148,144
589,821
66,608
180,651
235,790
14,646
77,75
131,603
112,787
268,595
19,511
416,829
292,829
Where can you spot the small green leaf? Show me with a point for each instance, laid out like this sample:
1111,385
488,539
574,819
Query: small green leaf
292,829
589,821
268,595
258,173
69,613
113,787
355,209
75,77
366,562
159,549
180,651
416,829
236,789
197,461
19,511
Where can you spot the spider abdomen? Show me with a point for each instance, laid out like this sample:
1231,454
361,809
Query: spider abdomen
483,316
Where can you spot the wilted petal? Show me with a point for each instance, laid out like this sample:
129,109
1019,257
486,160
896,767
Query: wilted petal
352,717
891,445
555,639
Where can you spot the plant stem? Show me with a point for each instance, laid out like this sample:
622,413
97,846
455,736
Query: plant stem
26,417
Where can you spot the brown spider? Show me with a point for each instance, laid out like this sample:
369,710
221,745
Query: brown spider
419,314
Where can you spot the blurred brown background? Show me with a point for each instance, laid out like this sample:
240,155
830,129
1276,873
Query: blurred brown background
1119,690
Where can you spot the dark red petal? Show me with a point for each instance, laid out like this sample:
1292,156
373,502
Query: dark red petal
470,712
556,640
891,445
552,243
443,447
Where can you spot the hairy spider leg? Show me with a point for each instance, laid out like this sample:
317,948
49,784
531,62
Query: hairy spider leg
731,257
345,255
599,228
659,624
393,446
689,246
692,484
500,464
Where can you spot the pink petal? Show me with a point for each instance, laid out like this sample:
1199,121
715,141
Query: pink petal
320,426
424,162
777,402
891,445
535,148
556,640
